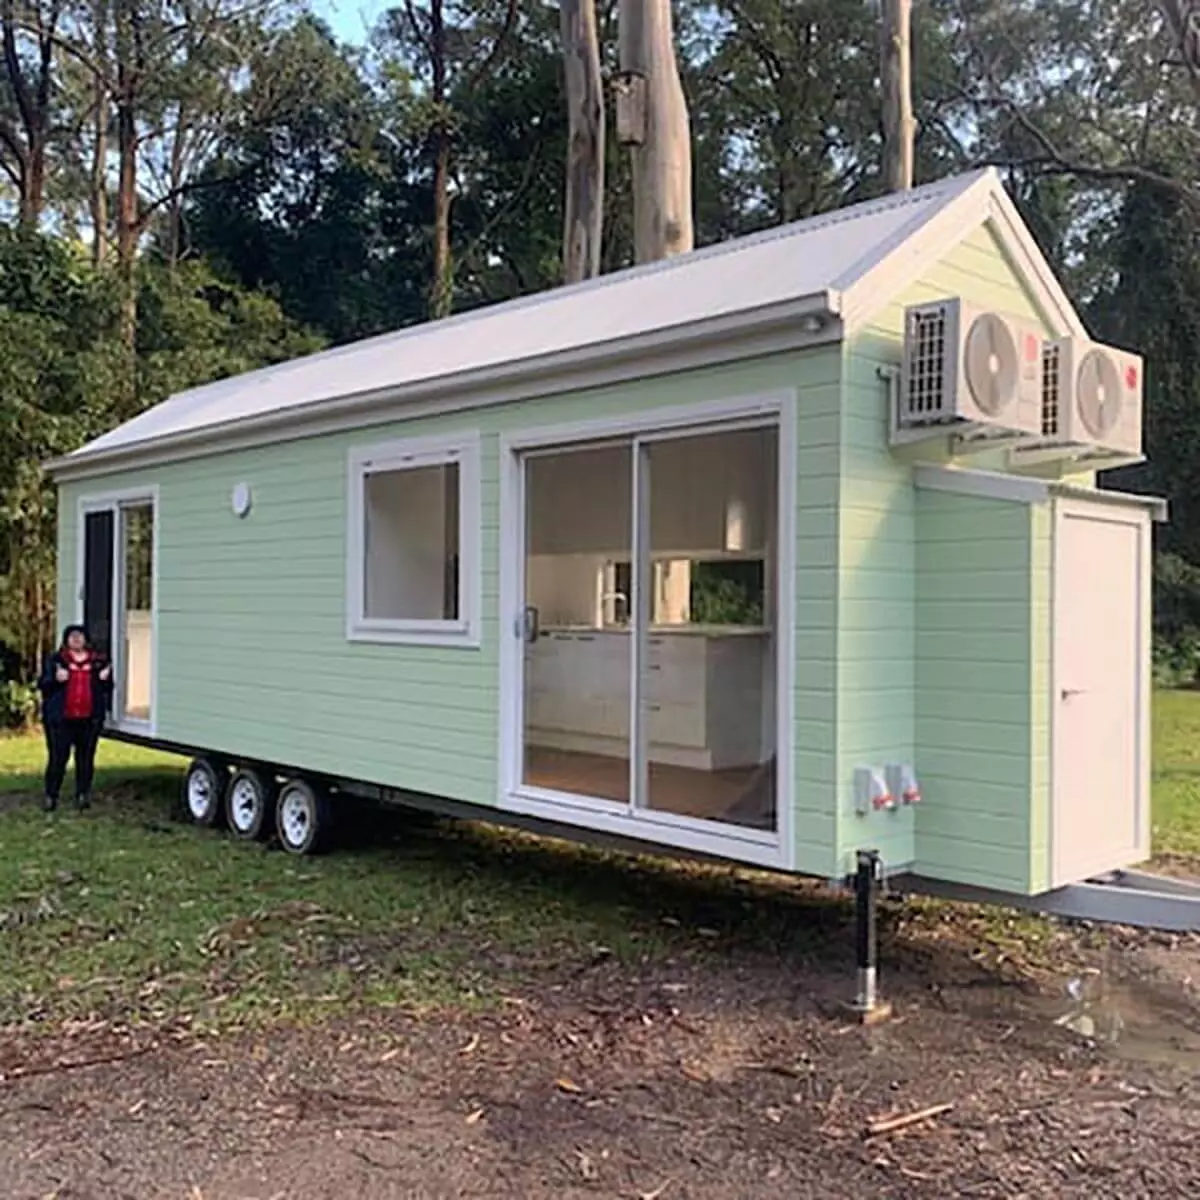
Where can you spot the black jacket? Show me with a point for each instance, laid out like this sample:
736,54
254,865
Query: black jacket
54,694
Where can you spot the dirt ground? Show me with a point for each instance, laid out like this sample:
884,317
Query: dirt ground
598,1079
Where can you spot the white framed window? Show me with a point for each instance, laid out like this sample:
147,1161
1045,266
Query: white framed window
413,545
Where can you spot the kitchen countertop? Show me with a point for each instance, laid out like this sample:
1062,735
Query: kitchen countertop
664,630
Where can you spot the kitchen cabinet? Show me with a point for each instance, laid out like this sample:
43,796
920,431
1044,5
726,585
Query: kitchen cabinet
708,695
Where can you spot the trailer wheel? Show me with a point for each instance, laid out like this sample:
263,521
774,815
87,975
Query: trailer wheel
203,792
249,804
302,818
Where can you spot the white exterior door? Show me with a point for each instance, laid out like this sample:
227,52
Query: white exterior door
1100,700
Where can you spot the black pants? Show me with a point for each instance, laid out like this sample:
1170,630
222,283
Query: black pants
61,738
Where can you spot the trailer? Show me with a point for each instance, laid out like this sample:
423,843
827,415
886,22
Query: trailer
783,552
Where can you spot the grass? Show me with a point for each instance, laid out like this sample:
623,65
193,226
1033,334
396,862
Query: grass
1176,773
126,912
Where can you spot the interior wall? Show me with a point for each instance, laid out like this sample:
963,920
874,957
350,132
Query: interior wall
411,530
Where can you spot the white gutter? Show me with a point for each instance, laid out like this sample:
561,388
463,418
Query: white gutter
727,338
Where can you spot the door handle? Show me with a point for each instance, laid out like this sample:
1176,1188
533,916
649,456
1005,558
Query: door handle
530,627
1067,693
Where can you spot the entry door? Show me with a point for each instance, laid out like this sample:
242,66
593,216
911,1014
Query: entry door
117,600
99,544
1100,708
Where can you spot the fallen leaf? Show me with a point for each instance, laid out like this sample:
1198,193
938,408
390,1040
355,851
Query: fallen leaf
658,1191
475,1117
472,1045
587,1168
387,1058
695,1074
137,1108
568,1085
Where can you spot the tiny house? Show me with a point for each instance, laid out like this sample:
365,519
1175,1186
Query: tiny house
773,552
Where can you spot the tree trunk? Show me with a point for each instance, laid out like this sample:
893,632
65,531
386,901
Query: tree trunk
33,194
583,223
441,292
658,130
128,214
98,187
174,237
33,103
98,198
895,77
441,295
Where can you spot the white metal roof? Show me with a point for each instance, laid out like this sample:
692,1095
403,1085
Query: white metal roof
819,260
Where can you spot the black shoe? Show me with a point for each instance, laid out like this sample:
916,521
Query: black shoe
82,802
49,803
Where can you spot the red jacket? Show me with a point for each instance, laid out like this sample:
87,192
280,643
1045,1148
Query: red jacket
54,694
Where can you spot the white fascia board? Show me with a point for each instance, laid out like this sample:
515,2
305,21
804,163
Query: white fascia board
898,263
992,485
729,338
1156,506
917,248
1019,241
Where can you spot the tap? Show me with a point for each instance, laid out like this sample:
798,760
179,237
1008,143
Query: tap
619,598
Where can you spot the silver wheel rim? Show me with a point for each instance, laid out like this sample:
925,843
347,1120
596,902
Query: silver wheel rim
295,817
244,804
199,793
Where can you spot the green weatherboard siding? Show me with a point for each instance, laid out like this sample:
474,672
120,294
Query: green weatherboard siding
886,656
253,657
982,722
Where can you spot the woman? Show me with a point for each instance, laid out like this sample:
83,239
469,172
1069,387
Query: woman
76,687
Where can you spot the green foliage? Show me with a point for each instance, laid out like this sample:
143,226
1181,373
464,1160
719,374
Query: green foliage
727,593
18,704
61,365
1176,621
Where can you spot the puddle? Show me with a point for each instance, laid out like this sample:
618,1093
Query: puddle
1149,1021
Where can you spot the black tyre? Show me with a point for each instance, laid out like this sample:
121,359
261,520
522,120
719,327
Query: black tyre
204,792
250,804
303,817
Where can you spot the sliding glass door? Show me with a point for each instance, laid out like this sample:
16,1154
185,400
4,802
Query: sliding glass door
577,683
649,672
707,644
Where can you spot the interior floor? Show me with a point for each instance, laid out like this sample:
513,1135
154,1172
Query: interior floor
743,796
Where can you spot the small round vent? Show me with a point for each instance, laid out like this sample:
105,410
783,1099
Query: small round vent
991,364
1098,392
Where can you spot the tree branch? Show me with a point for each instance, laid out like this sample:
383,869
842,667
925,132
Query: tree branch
484,69
11,139
190,188
411,13
12,64
1051,164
